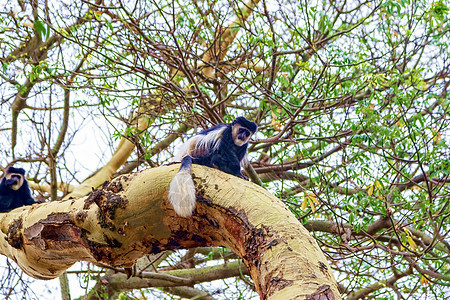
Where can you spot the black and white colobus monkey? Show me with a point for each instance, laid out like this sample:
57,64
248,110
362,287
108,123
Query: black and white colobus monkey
223,147
14,190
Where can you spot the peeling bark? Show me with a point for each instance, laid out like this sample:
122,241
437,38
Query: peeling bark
131,216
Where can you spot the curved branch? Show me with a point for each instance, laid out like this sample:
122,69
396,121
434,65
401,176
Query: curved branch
131,216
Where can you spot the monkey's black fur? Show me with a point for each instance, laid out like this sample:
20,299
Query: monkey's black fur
223,147
228,156
10,198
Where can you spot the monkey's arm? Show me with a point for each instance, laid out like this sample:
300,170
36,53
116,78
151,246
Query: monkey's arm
28,200
5,203
6,197
25,194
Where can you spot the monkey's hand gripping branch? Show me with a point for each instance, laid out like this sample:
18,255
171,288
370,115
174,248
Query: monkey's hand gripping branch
131,216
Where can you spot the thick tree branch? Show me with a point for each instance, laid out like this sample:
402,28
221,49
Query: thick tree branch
131,217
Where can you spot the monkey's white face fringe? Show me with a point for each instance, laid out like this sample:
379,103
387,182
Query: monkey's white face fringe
182,193
16,186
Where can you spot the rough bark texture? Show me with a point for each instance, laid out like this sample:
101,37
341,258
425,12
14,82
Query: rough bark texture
131,216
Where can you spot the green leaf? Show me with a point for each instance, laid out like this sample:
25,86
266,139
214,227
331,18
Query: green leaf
40,29
351,218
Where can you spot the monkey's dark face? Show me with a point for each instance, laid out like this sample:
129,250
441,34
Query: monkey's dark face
241,135
18,178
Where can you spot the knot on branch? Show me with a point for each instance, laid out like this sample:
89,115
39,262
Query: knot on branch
14,234
324,292
108,199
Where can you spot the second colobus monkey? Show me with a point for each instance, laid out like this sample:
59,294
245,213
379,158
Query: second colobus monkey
223,147
14,190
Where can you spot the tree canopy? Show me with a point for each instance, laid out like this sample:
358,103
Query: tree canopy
351,99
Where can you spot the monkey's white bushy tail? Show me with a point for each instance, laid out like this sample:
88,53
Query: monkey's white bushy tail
182,193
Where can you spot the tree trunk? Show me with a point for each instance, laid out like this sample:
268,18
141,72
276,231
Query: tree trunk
131,216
